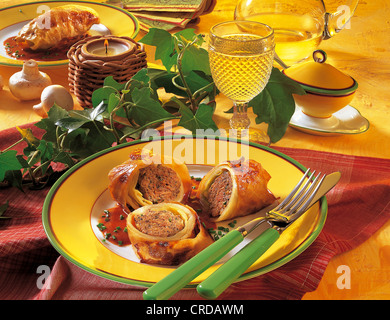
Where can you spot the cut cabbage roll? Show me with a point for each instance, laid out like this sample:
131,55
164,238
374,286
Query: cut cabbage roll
142,181
234,189
166,233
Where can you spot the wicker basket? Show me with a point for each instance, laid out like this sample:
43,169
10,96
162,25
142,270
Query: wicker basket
86,71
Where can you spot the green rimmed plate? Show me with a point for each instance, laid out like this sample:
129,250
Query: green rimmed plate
79,196
114,20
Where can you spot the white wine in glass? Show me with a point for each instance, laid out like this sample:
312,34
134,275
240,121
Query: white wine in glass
299,26
241,56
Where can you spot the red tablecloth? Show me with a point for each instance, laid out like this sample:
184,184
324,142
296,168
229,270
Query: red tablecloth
358,206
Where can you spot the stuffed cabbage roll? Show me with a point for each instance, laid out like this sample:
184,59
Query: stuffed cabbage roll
141,181
60,26
234,189
166,233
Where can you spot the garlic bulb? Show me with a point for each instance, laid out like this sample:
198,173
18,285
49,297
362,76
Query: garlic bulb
54,94
29,83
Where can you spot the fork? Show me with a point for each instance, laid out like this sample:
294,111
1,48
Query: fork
277,220
301,198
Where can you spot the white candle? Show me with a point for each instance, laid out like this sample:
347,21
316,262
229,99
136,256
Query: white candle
98,48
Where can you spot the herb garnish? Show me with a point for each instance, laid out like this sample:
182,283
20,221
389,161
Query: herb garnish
221,230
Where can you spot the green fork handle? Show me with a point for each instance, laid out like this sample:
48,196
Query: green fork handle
225,275
188,271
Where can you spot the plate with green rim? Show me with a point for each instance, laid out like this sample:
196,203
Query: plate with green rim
70,208
113,20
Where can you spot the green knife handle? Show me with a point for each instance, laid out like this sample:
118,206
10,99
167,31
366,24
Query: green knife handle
225,275
188,271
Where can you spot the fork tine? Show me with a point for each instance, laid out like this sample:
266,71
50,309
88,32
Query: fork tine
308,195
292,193
299,195
307,203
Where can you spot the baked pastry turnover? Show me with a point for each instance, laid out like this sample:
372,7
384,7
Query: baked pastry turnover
59,27
233,189
166,233
142,181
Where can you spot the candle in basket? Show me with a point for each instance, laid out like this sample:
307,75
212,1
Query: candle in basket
90,64
103,47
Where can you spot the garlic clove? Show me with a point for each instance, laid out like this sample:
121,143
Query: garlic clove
54,94
29,83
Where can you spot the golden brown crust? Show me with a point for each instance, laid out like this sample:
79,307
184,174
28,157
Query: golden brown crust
174,249
249,191
124,179
57,27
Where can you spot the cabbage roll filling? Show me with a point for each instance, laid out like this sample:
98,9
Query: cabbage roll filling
219,193
161,223
158,183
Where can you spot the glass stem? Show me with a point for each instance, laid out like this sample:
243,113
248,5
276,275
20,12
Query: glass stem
240,119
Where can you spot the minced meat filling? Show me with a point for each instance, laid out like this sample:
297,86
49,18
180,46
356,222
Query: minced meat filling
219,193
162,223
158,183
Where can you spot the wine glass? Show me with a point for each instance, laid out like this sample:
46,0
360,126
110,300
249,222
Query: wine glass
241,56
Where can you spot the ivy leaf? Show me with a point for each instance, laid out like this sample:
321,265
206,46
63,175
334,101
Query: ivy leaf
46,149
46,153
163,79
28,136
113,102
163,42
97,111
77,118
3,209
142,76
15,178
55,113
111,82
196,58
75,142
8,161
146,109
84,115
275,105
64,158
201,120
97,138
189,34
195,81
48,124
101,95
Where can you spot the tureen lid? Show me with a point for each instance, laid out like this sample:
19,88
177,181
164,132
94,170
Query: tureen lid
319,76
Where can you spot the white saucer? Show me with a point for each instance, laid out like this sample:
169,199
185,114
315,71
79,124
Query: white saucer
346,121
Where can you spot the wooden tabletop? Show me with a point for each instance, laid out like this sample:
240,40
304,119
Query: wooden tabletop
363,52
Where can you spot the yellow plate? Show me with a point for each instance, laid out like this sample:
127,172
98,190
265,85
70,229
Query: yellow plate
78,198
114,20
